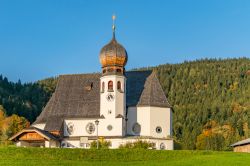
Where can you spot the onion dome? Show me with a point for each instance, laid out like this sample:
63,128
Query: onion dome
113,56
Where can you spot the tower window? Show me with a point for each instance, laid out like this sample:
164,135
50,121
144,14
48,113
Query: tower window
103,86
110,86
118,85
118,70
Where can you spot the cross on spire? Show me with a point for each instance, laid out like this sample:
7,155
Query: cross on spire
113,26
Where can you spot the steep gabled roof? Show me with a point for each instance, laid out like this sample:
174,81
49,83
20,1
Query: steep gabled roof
78,96
153,94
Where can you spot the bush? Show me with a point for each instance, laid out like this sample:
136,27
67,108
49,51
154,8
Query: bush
102,144
6,143
138,145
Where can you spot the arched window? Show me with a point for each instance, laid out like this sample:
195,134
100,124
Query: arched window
103,86
110,85
118,70
119,85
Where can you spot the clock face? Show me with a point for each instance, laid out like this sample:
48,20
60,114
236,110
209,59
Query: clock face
110,97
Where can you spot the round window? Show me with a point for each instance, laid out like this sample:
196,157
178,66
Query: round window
136,128
90,128
70,128
109,127
158,129
162,146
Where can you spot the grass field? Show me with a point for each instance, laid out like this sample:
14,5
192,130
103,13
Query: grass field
42,156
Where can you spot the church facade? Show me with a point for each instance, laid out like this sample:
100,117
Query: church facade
116,105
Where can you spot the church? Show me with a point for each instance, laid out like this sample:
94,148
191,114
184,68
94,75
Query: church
116,105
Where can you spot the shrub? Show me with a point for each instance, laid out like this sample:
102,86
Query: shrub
103,144
6,143
139,144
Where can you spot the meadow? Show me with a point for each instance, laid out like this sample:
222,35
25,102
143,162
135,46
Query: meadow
43,156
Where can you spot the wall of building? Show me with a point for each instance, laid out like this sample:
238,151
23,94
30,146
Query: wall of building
31,144
116,142
52,144
162,118
117,106
168,144
80,127
22,144
140,115
149,118
242,148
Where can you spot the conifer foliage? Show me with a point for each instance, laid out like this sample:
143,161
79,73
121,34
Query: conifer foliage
210,99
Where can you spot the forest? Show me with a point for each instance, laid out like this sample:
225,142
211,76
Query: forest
210,99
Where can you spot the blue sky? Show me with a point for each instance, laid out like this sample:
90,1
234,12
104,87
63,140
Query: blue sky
44,38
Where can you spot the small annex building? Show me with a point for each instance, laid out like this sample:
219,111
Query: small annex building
116,105
242,146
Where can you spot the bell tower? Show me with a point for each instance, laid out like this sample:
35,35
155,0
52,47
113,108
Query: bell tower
113,58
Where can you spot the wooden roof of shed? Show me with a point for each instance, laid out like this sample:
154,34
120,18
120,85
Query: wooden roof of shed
43,133
242,142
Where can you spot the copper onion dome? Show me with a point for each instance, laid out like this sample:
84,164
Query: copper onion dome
113,56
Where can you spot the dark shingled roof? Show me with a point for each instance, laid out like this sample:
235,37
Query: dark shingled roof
78,96
144,89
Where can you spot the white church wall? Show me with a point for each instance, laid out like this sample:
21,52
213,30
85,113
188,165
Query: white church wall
117,127
160,118
149,118
117,106
140,115
132,119
160,144
163,144
79,128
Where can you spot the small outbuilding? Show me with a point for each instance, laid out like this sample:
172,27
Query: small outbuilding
242,146
34,137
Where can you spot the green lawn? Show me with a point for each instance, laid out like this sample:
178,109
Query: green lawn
42,156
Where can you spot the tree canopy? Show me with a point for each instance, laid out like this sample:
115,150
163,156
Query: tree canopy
210,99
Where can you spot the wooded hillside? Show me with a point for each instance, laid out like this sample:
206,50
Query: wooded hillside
210,98
27,99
